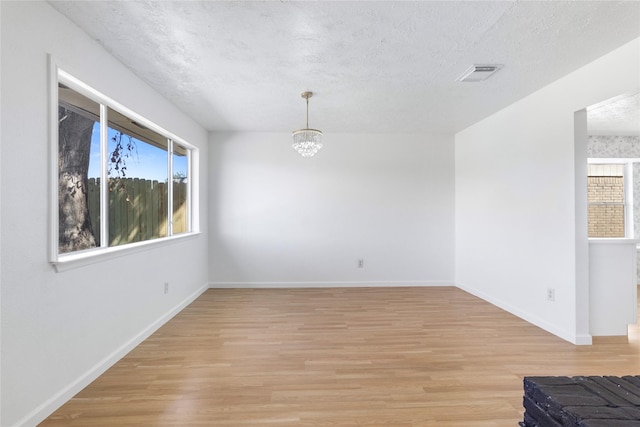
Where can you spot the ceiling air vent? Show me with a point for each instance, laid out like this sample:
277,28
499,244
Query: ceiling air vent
477,73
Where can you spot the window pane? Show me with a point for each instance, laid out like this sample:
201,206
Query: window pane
606,220
180,174
78,171
606,200
138,177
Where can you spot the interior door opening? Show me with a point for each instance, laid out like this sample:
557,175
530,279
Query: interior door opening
613,177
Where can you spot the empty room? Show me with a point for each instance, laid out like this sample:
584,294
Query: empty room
285,213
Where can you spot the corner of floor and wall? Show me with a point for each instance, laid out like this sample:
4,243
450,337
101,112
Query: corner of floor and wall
374,209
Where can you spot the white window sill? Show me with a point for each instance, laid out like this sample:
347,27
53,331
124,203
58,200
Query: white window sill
614,240
92,256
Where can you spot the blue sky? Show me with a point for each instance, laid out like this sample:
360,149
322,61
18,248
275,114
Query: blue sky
146,162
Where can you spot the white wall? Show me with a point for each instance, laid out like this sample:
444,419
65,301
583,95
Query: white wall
0,220
516,204
278,219
60,330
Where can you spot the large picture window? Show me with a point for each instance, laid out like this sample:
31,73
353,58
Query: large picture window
120,178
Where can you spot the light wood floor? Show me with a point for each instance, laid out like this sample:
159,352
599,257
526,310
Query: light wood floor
337,357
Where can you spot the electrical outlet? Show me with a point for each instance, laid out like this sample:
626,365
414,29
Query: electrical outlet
360,263
551,294
166,288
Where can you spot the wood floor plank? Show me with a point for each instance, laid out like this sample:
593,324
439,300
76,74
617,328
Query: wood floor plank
337,357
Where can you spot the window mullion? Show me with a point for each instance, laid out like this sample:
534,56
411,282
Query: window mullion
104,177
628,200
125,157
189,184
170,187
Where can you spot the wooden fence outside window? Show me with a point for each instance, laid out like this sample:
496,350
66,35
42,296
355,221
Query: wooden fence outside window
138,209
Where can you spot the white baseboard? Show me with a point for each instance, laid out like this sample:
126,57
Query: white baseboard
266,285
56,401
534,320
52,404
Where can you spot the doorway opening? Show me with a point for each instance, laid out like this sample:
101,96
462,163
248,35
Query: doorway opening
613,157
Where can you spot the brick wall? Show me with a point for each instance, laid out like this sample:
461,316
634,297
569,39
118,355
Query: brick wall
606,206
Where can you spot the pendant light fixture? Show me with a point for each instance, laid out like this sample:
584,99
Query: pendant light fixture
307,141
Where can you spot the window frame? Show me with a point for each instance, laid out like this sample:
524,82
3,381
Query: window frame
64,261
627,162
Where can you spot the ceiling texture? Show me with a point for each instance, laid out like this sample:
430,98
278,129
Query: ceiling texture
373,66
616,116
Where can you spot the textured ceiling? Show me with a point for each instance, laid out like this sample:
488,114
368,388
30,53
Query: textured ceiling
617,116
373,66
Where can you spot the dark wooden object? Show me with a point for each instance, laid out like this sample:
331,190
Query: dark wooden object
582,402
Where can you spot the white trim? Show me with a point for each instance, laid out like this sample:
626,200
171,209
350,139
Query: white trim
581,226
377,284
190,190
613,160
104,173
92,256
56,401
0,216
534,320
170,187
63,262
53,158
613,240
86,90
583,339
194,190
627,163
628,200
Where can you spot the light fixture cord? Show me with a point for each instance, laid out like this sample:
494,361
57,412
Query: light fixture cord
307,112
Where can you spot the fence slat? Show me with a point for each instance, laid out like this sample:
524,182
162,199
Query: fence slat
137,209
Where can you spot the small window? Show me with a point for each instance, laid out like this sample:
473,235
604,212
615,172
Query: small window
607,201
121,179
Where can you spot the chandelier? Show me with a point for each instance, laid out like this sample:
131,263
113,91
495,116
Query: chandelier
307,141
